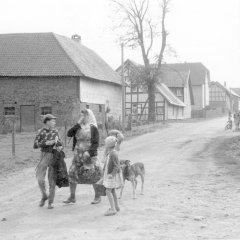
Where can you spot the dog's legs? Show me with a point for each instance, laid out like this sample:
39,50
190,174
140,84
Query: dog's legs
142,180
133,187
121,190
136,183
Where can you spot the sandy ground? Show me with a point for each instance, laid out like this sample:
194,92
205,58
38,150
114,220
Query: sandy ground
191,192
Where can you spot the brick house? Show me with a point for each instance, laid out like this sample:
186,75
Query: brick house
47,73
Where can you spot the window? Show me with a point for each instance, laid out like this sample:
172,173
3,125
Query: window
46,110
139,108
134,88
8,111
160,110
87,106
100,108
179,93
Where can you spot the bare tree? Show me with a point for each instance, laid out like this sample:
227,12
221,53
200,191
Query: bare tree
141,31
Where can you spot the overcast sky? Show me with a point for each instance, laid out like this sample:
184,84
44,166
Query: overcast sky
206,31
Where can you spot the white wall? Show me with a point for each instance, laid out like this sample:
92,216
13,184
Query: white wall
206,90
187,101
100,92
174,112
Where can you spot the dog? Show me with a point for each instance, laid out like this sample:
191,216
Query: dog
130,172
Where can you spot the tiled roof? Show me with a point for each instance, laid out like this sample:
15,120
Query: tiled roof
87,61
170,97
197,71
49,54
175,78
33,54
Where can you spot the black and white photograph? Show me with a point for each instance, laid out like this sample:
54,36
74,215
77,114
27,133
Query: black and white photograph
120,120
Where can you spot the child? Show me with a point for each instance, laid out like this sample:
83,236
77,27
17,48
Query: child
111,175
119,136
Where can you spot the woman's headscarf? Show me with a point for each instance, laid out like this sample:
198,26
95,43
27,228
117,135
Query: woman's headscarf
91,118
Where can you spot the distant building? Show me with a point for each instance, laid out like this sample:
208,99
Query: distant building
200,78
220,97
236,98
167,104
179,82
47,73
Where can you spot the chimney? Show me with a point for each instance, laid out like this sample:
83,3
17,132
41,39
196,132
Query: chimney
225,84
76,38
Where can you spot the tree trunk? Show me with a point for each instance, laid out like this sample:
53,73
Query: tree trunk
151,102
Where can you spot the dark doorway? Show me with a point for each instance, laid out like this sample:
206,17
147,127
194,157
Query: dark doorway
27,118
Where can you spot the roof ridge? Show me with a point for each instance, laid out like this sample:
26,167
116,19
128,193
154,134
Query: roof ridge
26,33
63,50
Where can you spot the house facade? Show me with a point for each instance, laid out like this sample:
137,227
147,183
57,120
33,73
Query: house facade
179,83
222,98
200,78
167,105
44,73
236,99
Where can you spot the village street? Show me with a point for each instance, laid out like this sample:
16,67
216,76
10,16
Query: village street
188,194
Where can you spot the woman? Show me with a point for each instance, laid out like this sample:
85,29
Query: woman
85,144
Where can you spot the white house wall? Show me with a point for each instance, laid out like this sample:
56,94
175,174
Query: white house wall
203,96
207,97
98,92
187,101
175,112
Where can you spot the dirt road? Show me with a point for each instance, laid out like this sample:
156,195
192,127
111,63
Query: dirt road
188,195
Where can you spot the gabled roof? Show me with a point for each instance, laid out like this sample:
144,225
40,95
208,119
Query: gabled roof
197,71
175,78
220,86
169,96
49,54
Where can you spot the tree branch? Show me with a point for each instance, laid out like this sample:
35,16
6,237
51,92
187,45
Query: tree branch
151,37
165,4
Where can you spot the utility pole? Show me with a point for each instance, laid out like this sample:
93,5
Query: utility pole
13,137
123,90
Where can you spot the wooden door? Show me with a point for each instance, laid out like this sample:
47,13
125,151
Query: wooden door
27,118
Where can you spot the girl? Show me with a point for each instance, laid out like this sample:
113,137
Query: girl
111,175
